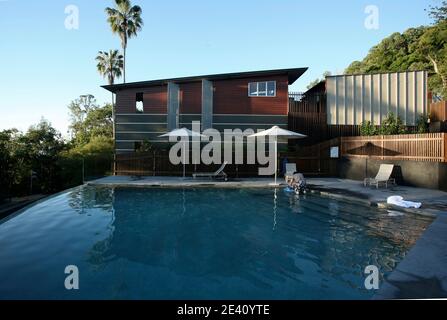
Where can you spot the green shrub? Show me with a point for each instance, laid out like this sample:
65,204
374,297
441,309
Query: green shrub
422,123
392,125
368,129
145,146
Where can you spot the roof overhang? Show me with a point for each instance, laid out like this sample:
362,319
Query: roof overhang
292,74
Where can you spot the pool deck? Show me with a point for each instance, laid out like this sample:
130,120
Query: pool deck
422,273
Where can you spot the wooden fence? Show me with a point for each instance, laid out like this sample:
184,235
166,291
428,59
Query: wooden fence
430,147
310,160
307,115
158,164
314,160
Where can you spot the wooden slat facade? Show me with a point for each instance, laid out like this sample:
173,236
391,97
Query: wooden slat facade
429,147
438,111
231,97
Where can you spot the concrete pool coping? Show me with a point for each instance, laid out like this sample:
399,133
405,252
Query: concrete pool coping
423,271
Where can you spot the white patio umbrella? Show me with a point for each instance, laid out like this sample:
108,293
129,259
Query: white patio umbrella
183,132
276,132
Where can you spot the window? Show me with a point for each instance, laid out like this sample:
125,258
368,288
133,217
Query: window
262,89
139,103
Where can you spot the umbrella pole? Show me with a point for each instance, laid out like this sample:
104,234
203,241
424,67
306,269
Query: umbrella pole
184,159
276,157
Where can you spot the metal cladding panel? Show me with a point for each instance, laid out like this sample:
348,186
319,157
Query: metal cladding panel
207,104
173,105
353,99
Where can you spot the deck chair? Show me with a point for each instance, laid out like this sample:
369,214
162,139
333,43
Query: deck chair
290,170
213,175
382,177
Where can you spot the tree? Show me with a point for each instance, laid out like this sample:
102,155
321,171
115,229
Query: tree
438,14
39,148
422,48
79,109
125,20
432,45
109,66
89,120
318,80
8,163
393,54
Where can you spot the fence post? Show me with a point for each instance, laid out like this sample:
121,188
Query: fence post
444,146
319,158
153,163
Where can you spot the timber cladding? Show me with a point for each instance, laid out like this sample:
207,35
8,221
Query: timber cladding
231,108
154,100
231,97
191,98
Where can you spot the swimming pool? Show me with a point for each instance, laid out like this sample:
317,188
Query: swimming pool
199,244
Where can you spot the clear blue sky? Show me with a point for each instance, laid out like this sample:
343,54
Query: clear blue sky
44,66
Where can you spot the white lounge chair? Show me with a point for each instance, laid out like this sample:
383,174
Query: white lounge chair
213,175
382,177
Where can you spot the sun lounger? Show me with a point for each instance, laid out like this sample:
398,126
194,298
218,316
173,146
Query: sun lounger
213,175
382,177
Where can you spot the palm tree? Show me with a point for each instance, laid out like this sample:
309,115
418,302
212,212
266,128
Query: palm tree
109,66
125,20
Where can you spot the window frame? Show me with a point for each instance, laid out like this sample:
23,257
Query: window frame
250,95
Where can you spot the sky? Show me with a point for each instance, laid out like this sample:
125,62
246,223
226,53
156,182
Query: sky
44,65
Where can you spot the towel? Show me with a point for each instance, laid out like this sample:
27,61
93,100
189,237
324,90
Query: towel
399,201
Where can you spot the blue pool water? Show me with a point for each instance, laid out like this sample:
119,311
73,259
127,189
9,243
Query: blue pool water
199,244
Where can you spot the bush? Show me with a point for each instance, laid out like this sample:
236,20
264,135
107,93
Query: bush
392,125
422,123
368,129
145,146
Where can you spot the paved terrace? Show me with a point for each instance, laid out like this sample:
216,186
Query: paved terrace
423,272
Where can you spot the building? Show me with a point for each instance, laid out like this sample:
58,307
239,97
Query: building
145,110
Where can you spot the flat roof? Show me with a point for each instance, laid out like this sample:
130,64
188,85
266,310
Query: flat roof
293,74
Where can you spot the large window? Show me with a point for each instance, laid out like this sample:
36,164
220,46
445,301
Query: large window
262,89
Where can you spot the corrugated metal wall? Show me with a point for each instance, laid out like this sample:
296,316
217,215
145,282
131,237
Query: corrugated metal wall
353,99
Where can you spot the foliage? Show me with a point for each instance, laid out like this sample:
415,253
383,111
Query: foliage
125,20
145,146
89,120
368,129
392,125
421,48
422,123
8,164
97,144
318,80
438,14
43,157
432,46
110,65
